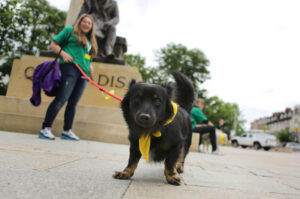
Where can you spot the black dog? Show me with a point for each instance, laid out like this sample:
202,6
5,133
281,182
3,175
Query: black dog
153,119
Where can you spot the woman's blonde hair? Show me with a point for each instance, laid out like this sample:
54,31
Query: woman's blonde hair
199,100
90,35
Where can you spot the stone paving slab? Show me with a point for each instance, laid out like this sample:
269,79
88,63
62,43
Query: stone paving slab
86,178
33,161
247,182
153,190
35,168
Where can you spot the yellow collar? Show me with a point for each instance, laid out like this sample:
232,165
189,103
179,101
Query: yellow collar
145,139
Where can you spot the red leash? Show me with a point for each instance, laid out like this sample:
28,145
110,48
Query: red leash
95,84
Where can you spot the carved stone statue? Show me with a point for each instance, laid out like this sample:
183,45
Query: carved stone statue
106,16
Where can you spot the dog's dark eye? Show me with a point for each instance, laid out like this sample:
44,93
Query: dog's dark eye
137,99
157,102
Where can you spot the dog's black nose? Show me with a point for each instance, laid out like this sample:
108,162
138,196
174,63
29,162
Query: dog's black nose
144,117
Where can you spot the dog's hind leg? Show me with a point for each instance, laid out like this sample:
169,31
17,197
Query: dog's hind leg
180,161
171,173
183,152
134,158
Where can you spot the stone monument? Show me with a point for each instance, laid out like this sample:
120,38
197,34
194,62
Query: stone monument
106,17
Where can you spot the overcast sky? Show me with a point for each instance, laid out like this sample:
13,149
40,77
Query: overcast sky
253,45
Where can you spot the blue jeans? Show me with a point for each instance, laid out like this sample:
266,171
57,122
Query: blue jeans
71,90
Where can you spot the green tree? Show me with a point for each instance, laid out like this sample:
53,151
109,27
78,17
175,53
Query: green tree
9,35
284,135
43,22
27,26
215,109
138,61
191,62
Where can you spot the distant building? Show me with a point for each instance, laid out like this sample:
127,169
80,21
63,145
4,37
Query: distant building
254,124
295,121
280,120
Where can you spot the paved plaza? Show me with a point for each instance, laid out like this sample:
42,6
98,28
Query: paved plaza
35,168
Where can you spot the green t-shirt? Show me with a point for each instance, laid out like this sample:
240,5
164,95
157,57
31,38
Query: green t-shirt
79,53
197,116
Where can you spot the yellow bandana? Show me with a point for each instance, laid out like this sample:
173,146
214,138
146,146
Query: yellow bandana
145,139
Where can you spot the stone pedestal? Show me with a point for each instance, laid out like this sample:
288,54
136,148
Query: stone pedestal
98,117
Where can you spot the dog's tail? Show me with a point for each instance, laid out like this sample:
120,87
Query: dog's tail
184,91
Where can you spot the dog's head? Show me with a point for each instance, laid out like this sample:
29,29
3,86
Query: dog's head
146,107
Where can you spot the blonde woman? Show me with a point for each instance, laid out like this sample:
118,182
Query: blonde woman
81,46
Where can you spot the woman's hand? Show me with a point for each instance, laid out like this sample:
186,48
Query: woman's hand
56,48
210,123
66,57
91,71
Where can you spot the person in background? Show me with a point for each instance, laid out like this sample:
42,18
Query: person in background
221,124
201,125
80,48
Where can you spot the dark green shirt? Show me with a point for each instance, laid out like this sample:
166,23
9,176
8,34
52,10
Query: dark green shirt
79,53
197,116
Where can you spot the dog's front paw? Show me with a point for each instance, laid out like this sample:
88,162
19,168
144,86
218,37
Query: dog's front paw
174,179
123,175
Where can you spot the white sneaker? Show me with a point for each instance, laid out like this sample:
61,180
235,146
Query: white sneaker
69,135
46,133
216,152
199,149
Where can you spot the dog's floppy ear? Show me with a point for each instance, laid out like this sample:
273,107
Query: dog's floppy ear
169,91
133,81
126,101
169,107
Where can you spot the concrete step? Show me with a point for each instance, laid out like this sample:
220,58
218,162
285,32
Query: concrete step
84,112
105,132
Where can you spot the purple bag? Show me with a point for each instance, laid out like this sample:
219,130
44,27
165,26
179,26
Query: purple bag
46,76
